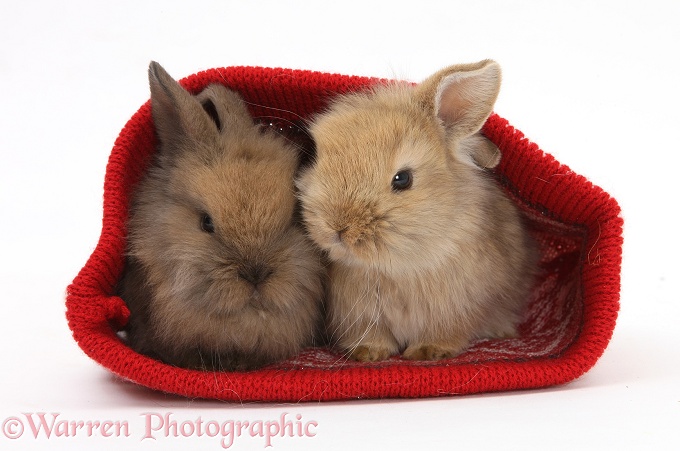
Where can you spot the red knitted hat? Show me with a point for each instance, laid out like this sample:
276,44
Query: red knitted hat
568,325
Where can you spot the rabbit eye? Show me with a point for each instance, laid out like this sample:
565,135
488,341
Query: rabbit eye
207,223
402,180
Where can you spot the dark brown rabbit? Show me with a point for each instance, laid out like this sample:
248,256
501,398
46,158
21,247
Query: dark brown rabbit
427,252
219,274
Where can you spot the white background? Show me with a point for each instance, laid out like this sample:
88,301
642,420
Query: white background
593,83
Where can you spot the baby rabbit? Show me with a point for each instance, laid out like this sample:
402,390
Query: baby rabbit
219,274
427,252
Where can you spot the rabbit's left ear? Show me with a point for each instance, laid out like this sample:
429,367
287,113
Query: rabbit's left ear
462,96
226,108
480,151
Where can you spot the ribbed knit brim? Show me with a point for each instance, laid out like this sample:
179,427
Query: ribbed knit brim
568,325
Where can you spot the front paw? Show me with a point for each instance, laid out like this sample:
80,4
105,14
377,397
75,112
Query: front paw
364,353
431,352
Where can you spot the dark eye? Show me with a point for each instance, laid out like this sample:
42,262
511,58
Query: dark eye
402,180
207,223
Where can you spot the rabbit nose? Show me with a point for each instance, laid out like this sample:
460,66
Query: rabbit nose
255,273
340,233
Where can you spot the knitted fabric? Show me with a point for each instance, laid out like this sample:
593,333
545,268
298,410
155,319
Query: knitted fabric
569,322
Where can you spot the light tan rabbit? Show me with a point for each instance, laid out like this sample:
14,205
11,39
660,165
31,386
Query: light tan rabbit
219,275
427,252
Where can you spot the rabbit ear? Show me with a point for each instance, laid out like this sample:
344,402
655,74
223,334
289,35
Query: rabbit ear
479,151
462,96
176,113
226,108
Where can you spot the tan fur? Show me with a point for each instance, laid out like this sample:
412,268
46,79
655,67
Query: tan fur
190,303
426,270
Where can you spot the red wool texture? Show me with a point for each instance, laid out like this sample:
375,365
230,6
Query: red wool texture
569,322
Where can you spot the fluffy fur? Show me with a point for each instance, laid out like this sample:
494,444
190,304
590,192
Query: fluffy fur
219,273
425,270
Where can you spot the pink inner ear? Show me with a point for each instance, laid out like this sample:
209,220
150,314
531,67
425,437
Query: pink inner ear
453,99
465,100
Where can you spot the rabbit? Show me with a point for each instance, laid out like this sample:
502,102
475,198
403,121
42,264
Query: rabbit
220,274
427,253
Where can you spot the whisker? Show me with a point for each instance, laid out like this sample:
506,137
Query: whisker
283,110
357,317
375,316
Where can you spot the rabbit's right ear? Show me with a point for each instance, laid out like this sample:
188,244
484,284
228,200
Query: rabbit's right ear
176,113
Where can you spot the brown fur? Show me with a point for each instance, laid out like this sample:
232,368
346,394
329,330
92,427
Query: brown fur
188,290
426,270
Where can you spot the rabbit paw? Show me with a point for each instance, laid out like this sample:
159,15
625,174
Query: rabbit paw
364,353
430,352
